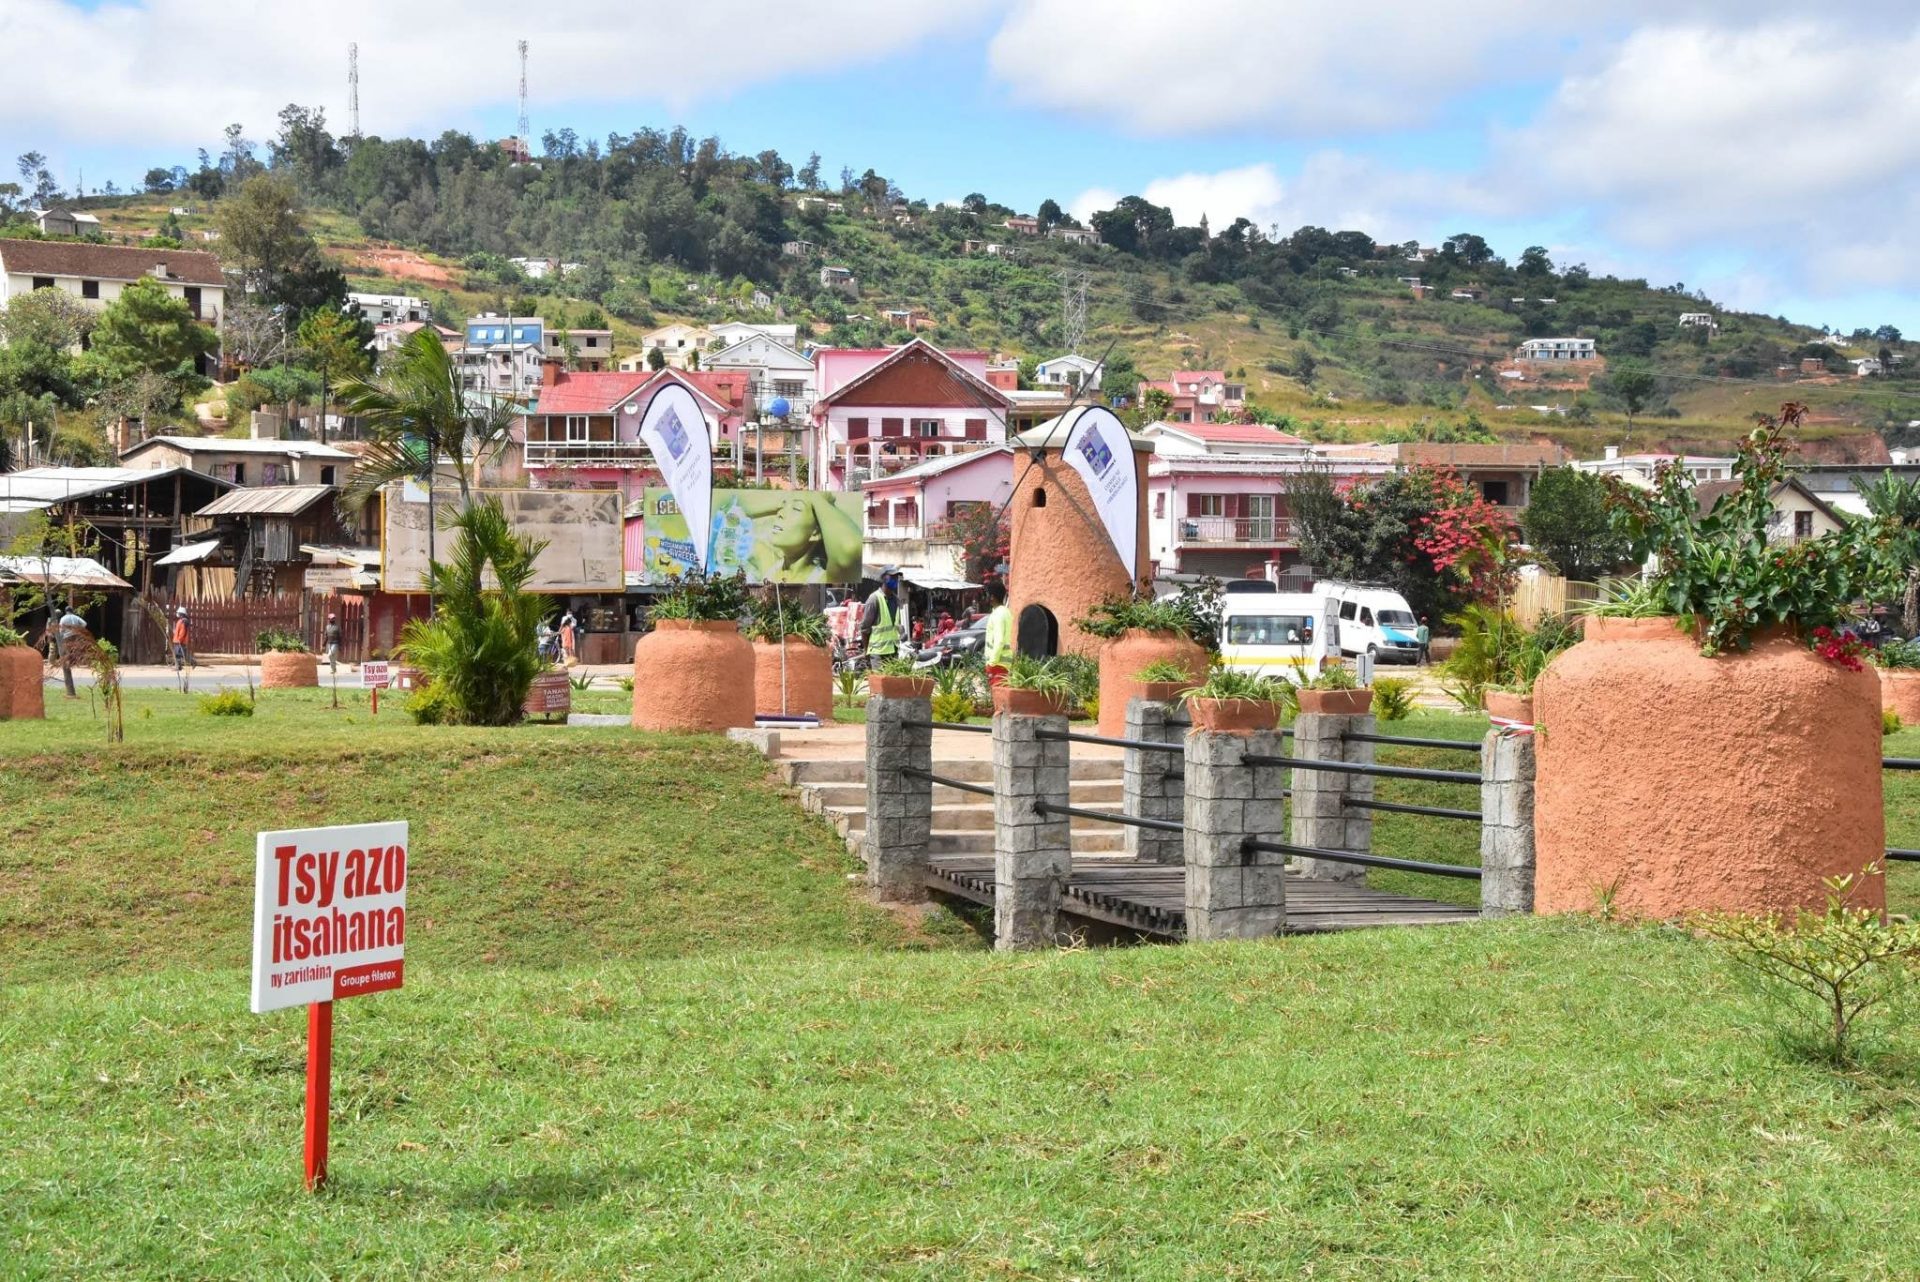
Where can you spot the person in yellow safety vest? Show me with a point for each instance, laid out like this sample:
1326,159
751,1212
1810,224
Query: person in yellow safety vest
998,650
879,621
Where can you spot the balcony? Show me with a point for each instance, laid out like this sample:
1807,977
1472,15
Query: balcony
630,454
1233,531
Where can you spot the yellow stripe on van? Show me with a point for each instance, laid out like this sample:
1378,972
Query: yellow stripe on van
1264,663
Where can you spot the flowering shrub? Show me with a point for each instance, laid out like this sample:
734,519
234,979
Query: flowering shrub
1842,648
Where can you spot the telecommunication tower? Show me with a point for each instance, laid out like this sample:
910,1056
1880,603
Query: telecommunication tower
353,90
1073,309
526,130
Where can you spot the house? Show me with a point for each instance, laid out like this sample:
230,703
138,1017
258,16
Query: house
730,332
590,350
1034,406
64,222
1022,225
912,319
1072,370
1502,474
1798,513
779,377
249,541
1698,320
388,337
799,249
1004,375
841,279
515,150
908,512
973,246
1216,497
1812,365
1408,281
1420,291
1639,469
1558,349
390,309
583,430
97,273
1468,294
880,409
1347,273
502,355
1200,395
541,268
677,343
1866,366
1074,235
240,461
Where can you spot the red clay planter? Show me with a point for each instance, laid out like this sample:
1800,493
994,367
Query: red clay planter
23,696
1233,716
1339,703
881,686
1670,782
1029,703
1159,691
807,677
693,674
1127,654
288,670
1900,692
1508,706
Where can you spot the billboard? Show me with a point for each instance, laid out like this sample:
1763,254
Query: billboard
772,536
581,528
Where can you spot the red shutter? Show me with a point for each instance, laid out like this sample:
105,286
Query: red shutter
892,427
976,429
1193,505
856,429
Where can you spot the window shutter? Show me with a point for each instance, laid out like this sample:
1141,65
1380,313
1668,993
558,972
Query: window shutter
892,427
976,429
856,429
1193,505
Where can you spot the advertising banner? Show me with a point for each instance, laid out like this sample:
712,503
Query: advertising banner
676,432
581,530
1099,449
771,536
329,913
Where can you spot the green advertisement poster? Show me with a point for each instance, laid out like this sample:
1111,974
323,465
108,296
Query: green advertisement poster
772,536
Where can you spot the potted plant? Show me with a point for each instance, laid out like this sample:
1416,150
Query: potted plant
1714,743
22,693
1335,692
1232,702
694,671
1135,633
550,694
792,668
1163,681
897,678
1034,688
1899,666
285,662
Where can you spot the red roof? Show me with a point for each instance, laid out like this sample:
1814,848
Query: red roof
589,393
726,387
1237,433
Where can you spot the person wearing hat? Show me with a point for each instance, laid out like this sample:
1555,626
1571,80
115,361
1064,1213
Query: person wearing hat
879,620
182,642
331,635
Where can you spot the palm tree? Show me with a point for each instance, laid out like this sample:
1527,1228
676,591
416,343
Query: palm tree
418,415
1896,503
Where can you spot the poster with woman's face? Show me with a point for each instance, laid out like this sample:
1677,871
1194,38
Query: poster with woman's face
771,536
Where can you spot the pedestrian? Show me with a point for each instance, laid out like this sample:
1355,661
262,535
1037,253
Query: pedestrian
331,635
879,629
1424,635
569,639
998,647
182,646
73,638
544,638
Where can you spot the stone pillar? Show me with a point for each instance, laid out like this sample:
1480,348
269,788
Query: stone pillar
1233,893
1506,823
1154,783
1320,814
1032,852
899,807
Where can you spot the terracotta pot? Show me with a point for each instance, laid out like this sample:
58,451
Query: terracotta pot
1127,654
1029,703
880,686
693,674
282,670
23,694
1160,691
1899,690
807,674
1669,782
1233,716
1508,706
1339,703
405,678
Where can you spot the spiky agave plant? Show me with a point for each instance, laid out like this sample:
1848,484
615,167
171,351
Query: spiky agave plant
480,646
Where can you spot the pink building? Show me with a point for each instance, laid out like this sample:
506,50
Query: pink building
584,429
882,409
907,510
1201,396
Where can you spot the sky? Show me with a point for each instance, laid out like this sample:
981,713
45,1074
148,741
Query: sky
1763,151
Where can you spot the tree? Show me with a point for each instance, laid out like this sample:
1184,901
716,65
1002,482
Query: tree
1467,248
148,329
1534,262
974,203
330,343
656,359
158,181
261,233
1895,502
809,176
417,413
1633,384
1050,214
1887,334
34,173
1568,526
142,397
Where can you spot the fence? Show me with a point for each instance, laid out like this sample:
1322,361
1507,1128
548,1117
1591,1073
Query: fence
231,625
1901,854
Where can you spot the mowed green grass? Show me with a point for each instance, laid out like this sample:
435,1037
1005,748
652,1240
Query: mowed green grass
649,1030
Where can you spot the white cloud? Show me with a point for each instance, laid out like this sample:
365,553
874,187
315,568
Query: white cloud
175,71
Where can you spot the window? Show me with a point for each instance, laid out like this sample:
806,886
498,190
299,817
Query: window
926,427
326,474
1040,497
856,429
892,427
957,508
1348,611
1366,617
43,282
89,289
1803,525
1206,505
1270,629
193,300
269,474
1160,503
1494,492
789,387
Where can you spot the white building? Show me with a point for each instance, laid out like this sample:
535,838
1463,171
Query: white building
1072,370
1866,366
97,273
677,344
1559,349
731,332
775,371
502,355
391,309
1074,235
1638,469
64,222
1698,320
587,350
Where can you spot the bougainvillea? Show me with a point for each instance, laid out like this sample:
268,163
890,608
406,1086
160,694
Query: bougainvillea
1466,537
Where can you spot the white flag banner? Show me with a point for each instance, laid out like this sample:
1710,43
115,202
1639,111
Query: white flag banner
1100,450
676,431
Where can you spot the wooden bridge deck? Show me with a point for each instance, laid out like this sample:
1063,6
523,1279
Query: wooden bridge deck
1151,898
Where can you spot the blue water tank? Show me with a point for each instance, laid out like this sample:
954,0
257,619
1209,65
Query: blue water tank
780,408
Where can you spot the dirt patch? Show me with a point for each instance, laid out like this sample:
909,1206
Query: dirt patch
403,264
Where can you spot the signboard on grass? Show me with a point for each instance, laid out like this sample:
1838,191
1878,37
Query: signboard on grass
329,913
771,536
374,675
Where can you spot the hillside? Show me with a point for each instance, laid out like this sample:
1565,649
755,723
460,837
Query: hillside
1319,324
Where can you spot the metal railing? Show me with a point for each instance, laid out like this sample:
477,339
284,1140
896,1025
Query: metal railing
1231,531
1901,854
945,781
1466,871
584,453
1366,768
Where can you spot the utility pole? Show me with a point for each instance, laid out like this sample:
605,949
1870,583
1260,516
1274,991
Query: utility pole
353,89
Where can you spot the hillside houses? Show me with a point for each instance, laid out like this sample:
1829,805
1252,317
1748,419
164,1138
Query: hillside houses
96,274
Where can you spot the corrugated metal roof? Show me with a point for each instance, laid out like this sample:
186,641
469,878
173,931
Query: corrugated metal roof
41,486
60,572
190,552
240,445
267,500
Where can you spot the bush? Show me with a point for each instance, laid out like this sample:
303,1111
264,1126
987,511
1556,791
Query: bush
1392,698
279,641
9,636
952,705
1162,671
1889,722
1110,619
228,703
698,597
431,705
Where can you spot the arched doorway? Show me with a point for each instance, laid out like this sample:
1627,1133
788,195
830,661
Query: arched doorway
1038,633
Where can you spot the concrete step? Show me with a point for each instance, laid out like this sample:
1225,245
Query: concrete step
966,769
1110,840
1084,792
950,818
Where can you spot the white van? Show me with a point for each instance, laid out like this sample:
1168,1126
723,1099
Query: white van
1372,620
1274,634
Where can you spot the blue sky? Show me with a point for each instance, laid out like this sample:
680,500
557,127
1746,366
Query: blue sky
1743,149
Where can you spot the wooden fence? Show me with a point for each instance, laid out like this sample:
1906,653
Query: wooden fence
231,625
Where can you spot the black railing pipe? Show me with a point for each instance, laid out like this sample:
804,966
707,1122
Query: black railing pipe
1370,861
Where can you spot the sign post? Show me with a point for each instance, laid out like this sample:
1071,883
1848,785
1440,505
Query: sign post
374,677
329,922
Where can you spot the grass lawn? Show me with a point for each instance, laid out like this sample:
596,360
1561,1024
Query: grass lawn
650,1030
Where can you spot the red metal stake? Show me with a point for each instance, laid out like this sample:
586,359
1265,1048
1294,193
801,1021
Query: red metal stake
319,1089
376,701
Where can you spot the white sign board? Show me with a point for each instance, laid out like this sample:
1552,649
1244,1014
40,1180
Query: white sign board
1099,448
329,913
676,431
374,675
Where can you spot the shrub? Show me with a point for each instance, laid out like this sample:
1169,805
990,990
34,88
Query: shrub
10,636
279,641
1225,683
1110,619
431,705
1898,655
848,684
1334,675
700,597
897,665
774,618
1083,671
227,703
1024,672
1496,652
626,684
584,681
951,705
1162,671
1392,698
1889,722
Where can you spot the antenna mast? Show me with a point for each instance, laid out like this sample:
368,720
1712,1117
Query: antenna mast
353,90
526,142
1073,309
